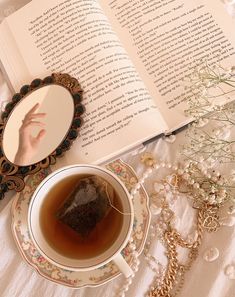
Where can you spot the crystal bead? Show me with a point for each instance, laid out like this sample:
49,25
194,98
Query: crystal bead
211,254
230,271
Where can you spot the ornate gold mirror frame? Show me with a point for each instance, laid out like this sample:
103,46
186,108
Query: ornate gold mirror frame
11,175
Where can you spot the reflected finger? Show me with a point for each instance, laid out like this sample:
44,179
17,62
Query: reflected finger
33,109
30,112
37,115
31,117
41,134
34,124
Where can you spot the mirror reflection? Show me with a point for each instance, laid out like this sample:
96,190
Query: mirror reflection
37,125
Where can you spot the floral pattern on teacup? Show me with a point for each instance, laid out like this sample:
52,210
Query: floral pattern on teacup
73,278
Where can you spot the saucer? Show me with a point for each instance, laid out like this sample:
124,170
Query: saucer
77,279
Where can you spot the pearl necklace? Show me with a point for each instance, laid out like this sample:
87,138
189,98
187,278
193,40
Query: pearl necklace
185,174
155,265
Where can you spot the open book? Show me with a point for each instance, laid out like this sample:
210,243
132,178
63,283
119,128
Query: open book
130,57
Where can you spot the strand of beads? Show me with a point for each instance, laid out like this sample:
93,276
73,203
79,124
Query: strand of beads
134,254
135,268
152,166
154,264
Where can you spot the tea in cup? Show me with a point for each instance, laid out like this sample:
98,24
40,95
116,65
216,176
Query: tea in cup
80,218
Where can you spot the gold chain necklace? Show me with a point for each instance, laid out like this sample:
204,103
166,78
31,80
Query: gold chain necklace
207,219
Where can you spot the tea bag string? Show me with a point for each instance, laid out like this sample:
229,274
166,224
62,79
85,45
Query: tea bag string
123,213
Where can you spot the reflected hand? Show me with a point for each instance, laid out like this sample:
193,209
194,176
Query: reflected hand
28,145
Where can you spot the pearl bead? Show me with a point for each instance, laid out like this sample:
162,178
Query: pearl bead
149,171
156,166
175,168
145,175
163,164
169,166
187,163
125,288
186,176
135,254
133,192
180,171
135,269
132,246
137,186
129,281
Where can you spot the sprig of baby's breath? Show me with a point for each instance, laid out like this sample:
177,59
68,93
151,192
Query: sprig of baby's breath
210,147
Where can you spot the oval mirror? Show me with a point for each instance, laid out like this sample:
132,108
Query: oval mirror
39,124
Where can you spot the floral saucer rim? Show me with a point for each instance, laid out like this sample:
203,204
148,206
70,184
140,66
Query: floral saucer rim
102,275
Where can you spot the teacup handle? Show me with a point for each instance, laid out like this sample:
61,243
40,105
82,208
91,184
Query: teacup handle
122,265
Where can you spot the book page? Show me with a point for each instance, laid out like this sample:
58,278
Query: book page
75,37
166,39
10,56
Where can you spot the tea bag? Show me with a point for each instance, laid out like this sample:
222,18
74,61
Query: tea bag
87,205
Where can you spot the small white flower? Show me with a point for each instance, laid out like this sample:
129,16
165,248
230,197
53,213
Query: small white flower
217,132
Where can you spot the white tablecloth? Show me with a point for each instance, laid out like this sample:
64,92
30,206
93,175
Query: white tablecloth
206,279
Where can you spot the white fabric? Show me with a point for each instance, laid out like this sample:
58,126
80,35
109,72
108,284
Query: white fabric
204,280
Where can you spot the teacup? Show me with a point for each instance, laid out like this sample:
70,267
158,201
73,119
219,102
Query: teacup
113,252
